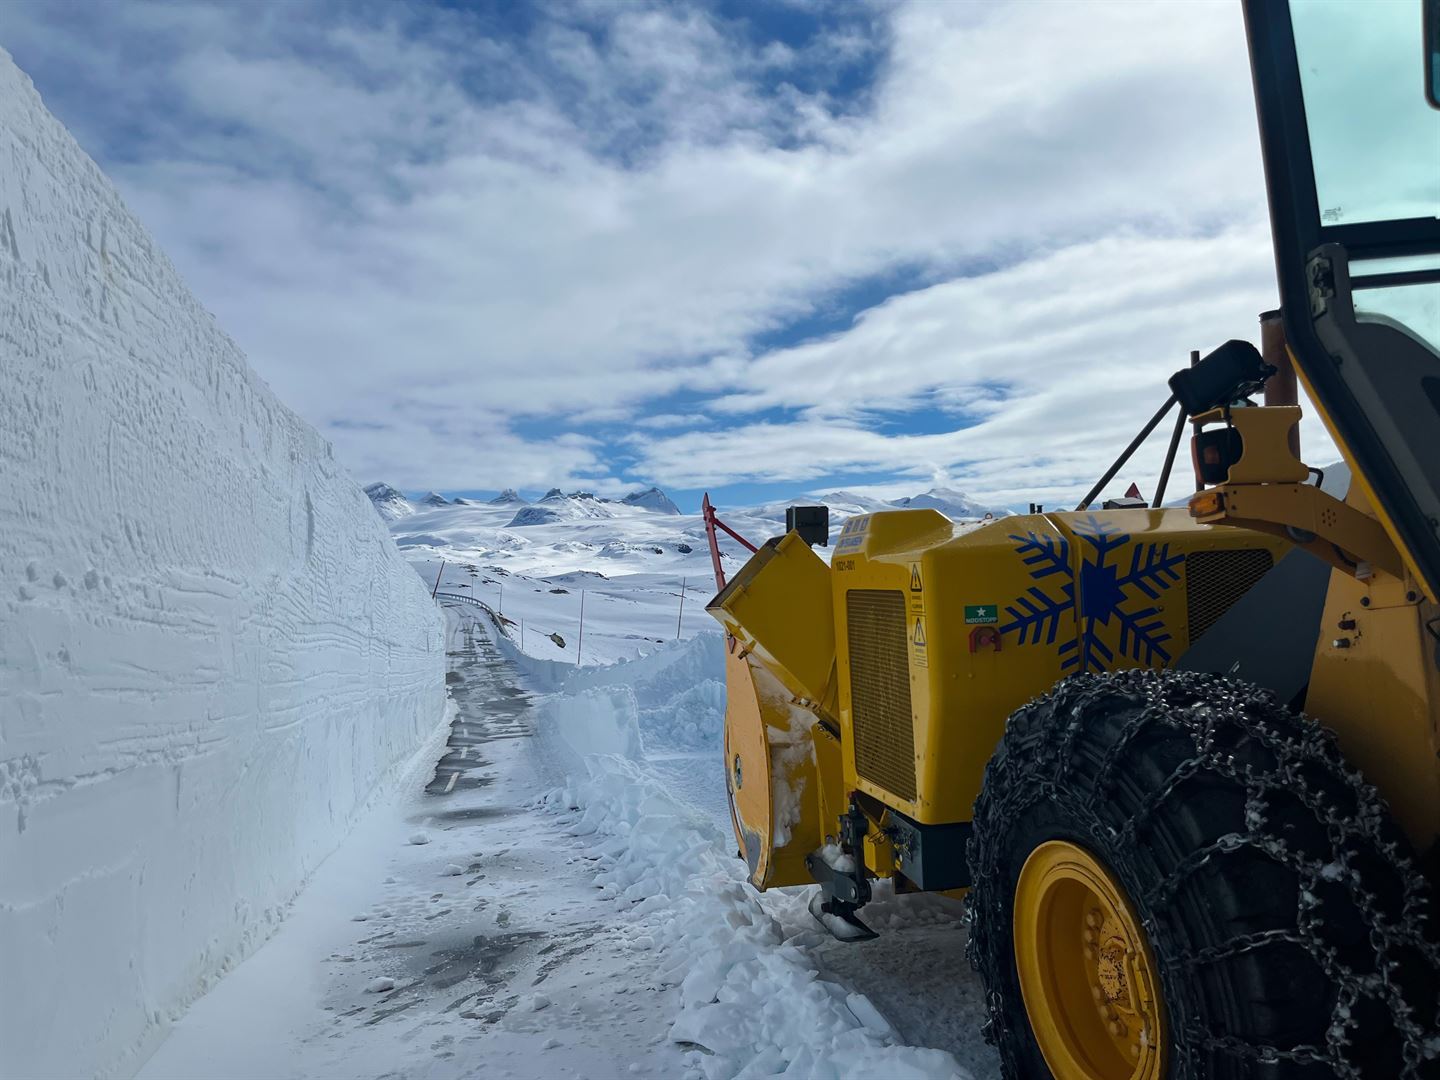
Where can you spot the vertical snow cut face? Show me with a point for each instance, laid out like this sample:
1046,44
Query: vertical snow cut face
211,652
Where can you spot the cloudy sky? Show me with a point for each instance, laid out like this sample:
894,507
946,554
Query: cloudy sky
759,248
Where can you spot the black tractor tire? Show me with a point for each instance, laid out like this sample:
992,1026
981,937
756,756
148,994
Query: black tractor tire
1292,933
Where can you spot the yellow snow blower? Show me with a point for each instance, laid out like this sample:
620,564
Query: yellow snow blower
1186,761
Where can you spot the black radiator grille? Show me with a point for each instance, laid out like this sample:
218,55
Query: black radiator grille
880,689
1214,580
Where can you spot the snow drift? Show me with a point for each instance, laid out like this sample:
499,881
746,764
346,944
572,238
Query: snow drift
751,1000
210,650
752,1003
676,693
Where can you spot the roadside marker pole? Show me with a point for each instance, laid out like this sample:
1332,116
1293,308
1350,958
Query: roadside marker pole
681,617
502,597
438,574
581,639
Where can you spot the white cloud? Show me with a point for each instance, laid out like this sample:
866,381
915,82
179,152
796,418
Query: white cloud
1079,344
412,221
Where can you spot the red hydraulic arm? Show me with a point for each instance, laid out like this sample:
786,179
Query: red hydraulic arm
712,523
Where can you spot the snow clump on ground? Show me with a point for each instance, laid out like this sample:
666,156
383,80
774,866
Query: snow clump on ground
752,1002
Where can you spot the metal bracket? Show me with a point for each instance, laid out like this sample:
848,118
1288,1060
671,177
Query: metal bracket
1337,533
1320,281
850,886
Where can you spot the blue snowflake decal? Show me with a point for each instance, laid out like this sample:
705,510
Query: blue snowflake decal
1108,590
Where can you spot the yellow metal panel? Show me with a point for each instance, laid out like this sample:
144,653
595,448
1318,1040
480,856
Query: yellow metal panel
879,853
997,614
967,585
778,607
1265,455
775,777
1377,691
958,626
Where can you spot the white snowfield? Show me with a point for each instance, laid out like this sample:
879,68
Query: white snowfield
641,534
211,654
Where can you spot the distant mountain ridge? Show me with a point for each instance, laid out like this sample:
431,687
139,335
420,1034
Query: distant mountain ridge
643,532
389,503
956,505
652,498
557,507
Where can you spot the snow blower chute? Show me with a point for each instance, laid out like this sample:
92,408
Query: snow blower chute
776,746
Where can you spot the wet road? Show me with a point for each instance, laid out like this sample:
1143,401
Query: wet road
491,706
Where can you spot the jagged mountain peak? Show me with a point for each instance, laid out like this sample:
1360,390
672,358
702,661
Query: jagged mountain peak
506,498
652,498
389,503
557,506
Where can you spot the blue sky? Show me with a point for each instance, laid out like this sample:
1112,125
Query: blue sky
760,248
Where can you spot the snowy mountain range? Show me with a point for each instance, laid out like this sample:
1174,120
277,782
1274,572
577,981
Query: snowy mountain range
557,506
642,533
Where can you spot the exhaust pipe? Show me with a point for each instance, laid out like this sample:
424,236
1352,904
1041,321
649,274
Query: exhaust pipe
1281,388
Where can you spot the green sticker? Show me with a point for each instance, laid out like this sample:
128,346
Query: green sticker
981,613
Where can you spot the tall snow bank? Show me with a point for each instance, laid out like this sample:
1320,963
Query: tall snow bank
671,699
678,690
599,721
210,651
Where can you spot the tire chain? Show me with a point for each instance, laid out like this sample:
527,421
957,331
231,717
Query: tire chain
1216,703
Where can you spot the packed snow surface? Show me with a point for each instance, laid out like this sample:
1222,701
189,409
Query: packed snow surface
750,999
602,929
211,654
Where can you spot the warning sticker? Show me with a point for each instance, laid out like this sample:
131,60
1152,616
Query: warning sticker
852,533
919,642
982,613
915,585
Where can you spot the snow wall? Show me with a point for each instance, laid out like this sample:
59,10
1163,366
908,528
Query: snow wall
211,652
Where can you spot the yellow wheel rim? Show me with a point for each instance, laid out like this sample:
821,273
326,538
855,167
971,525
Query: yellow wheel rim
1086,972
